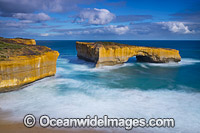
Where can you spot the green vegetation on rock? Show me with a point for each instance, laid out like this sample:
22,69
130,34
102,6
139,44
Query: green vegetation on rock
8,49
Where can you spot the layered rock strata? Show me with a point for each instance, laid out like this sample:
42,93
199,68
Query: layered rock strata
23,62
110,53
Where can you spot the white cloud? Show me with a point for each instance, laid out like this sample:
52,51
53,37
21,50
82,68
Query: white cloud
14,24
32,17
44,34
69,33
176,27
8,7
81,32
111,29
95,16
117,29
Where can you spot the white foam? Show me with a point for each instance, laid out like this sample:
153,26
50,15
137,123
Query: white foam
91,68
65,67
61,71
64,97
183,62
144,66
62,61
109,68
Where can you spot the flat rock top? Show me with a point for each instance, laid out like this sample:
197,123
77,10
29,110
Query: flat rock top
115,45
9,48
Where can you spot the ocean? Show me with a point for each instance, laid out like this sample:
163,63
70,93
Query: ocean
131,90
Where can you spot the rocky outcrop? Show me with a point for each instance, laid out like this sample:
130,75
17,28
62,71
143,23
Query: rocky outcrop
19,41
22,64
110,53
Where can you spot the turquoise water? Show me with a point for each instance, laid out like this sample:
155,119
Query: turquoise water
155,76
133,89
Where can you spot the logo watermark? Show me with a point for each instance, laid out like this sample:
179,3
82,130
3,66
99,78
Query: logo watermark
95,122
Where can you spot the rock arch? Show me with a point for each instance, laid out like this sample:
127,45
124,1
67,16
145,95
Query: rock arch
110,53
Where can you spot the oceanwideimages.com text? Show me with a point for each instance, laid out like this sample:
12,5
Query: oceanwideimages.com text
95,122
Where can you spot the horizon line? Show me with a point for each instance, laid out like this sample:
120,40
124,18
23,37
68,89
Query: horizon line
111,40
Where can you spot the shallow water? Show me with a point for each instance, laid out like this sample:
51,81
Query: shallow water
137,90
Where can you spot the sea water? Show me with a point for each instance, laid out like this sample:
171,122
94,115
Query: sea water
131,90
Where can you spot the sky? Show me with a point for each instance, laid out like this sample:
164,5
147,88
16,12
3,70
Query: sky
100,19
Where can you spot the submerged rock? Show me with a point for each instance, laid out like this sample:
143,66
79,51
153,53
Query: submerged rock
23,62
110,53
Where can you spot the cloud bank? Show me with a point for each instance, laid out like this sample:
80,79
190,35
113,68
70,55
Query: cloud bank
29,17
94,16
109,20
8,7
121,29
176,27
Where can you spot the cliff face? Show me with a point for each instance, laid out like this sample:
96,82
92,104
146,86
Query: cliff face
109,53
25,64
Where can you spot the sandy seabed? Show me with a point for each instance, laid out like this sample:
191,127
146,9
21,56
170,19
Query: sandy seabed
18,127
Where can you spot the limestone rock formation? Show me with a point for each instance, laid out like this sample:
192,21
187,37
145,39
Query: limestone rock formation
24,63
19,41
110,53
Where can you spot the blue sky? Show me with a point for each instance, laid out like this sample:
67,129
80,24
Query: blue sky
101,19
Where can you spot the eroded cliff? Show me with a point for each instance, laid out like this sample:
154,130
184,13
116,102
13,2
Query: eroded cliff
110,53
23,63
